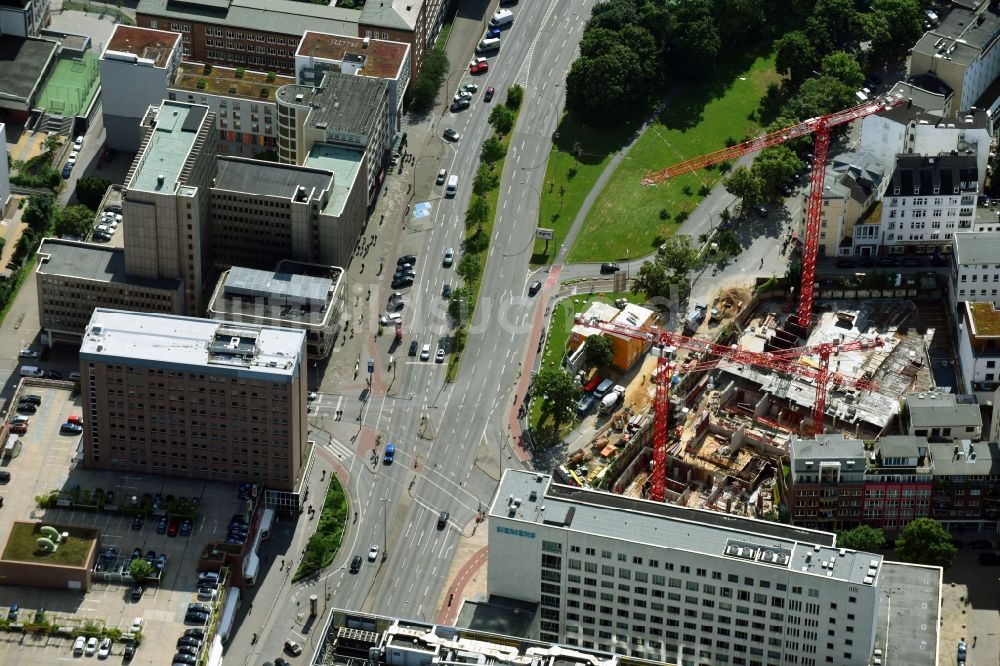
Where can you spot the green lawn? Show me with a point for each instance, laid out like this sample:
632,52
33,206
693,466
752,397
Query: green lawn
21,545
559,325
323,545
697,121
570,177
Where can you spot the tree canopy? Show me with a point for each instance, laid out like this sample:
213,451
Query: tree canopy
90,191
924,541
597,350
74,221
558,394
863,537
746,186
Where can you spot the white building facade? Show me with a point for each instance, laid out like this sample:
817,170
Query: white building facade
975,268
928,201
669,583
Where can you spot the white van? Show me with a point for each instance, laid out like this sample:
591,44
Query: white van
488,45
31,371
502,17
452,188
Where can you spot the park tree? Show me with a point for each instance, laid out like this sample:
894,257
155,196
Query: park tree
90,191
595,87
774,168
428,81
486,179
862,537
844,68
696,41
738,20
840,20
796,56
469,268
612,15
746,186
665,277
39,211
597,350
894,26
478,212
558,394
819,95
493,150
52,142
502,119
459,304
924,541
73,221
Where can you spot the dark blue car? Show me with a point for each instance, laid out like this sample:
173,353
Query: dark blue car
67,168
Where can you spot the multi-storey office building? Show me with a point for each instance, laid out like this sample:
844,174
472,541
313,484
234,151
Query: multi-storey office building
196,398
23,18
313,303
642,578
826,481
319,53
944,417
242,102
310,118
73,278
136,67
166,199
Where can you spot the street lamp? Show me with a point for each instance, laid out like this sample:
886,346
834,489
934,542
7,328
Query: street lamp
385,526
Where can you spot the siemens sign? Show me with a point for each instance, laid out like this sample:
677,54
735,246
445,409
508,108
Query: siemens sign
521,533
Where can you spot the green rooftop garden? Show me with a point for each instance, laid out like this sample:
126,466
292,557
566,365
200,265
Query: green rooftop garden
229,81
22,545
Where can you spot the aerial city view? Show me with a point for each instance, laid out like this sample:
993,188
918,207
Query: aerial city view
527,332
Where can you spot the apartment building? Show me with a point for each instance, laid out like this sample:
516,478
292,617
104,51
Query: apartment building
242,101
979,348
975,268
194,398
319,53
854,182
928,201
962,52
263,34
136,66
303,211
966,493
311,302
912,130
309,116
944,417
166,198
826,481
652,580
23,18
899,482
73,278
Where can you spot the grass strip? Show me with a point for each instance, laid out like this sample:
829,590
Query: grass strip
324,544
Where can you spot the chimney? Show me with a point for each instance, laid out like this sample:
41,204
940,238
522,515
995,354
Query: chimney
160,180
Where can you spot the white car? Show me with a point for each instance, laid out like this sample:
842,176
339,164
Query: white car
78,143
425,352
449,257
136,625
373,553
440,355
91,646
104,651
28,353
78,645
462,94
71,162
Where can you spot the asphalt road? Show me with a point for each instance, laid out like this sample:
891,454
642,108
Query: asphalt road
450,439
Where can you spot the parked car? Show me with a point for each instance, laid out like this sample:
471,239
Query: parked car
181,658
197,633
4,476
172,527
91,646
402,282
76,418
761,210
70,429
26,408
461,104
28,354
478,66
79,644
410,259
186,639
293,648
104,650
32,398
161,526
137,523
19,428
67,170
78,143
137,591
12,613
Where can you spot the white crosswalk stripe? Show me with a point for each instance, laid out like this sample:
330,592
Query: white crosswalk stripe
342,451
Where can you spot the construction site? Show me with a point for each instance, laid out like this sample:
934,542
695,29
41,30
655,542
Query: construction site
707,418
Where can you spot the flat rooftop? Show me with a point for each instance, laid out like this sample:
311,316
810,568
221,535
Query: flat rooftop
797,550
223,81
176,130
90,261
907,628
22,64
172,341
344,164
279,286
380,58
978,247
985,319
343,103
286,17
146,43
263,178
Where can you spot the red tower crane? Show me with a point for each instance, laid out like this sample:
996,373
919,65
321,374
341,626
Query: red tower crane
820,127
780,361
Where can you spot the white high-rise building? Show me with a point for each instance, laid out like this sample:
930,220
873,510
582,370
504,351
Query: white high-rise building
659,581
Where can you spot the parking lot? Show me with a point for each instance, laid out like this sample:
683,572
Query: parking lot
48,461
